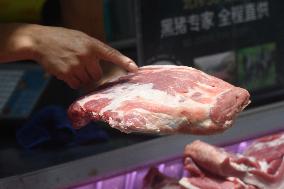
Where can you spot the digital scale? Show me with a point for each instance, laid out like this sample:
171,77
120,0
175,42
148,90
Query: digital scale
26,88
20,89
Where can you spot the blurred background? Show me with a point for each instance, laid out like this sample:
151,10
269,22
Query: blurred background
240,41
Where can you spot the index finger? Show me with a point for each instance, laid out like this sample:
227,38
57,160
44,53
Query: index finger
112,55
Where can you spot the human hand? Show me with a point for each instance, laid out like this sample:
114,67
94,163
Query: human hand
71,55
111,73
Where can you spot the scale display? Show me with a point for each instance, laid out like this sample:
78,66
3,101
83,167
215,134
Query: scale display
20,89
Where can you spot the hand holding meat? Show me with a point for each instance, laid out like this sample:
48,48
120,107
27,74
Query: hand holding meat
69,55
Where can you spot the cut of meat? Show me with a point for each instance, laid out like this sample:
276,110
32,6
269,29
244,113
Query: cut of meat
267,148
271,150
202,159
156,180
211,167
163,99
208,182
215,160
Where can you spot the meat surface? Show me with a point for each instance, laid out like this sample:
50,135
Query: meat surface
209,182
202,159
267,148
156,180
261,166
163,99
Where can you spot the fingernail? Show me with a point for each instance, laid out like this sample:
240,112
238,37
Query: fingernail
133,67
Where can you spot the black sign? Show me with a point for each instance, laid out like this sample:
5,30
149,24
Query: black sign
240,41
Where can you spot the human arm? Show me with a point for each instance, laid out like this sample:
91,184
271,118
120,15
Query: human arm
67,54
88,16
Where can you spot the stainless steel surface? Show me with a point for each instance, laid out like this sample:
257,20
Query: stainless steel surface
249,124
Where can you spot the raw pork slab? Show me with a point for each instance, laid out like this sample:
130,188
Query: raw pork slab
156,180
163,99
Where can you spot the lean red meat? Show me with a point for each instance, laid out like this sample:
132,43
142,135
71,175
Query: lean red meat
156,180
202,159
267,148
163,100
261,166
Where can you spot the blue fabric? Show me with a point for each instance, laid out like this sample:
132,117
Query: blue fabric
51,126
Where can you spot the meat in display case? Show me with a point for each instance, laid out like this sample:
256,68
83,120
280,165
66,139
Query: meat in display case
249,164
126,167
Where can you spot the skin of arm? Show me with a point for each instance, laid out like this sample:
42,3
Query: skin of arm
87,16
68,54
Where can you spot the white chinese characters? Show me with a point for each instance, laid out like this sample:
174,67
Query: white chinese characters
209,19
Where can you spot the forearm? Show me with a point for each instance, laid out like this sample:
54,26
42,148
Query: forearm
67,54
16,42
